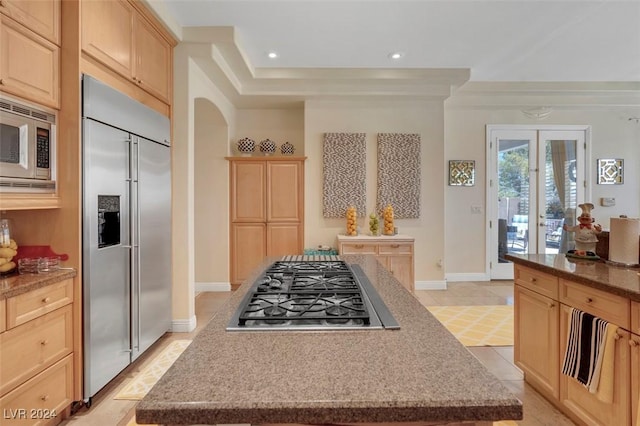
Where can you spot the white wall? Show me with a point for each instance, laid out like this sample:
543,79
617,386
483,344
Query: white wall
613,136
425,118
190,83
211,189
279,125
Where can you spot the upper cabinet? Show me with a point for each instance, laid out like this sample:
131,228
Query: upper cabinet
42,17
118,35
30,55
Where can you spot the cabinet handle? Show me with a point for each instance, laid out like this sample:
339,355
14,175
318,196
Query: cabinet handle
1,82
533,280
359,246
46,300
44,342
633,343
44,397
589,300
552,305
395,245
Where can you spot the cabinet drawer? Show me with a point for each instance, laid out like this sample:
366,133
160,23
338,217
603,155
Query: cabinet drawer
609,307
635,318
32,347
395,248
42,398
537,281
3,315
358,248
27,306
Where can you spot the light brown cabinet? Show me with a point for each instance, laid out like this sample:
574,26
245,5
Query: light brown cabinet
42,17
536,350
394,252
36,354
267,211
29,64
117,35
543,305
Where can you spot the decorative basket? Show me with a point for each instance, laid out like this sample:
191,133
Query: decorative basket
246,146
267,147
287,148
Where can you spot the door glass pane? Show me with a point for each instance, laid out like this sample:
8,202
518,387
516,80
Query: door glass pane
513,197
560,194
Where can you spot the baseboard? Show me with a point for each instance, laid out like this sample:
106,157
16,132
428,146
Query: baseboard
183,325
203,286
431,285
479,276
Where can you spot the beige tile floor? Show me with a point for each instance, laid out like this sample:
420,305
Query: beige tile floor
499,360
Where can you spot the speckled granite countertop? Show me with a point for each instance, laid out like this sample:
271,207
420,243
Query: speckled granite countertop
13,285
598,274
418,373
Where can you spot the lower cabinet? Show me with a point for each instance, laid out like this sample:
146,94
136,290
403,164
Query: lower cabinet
543,306
585,405
536,349
36,355
248,249
394,252
41,400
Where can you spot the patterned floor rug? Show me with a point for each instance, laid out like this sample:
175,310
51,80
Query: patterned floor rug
477,325
139,385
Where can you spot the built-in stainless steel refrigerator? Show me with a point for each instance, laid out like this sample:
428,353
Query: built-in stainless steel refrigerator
126,231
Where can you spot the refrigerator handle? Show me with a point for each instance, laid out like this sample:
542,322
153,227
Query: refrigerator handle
136,243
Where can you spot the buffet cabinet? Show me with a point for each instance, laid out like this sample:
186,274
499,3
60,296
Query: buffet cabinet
395,252
30,46
543,305
266,211
36,355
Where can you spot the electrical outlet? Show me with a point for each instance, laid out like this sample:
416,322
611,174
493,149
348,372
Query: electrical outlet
607,201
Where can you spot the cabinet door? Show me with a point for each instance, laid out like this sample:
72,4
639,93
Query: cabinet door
153,60
42,17
575,397
248,196
536,340
248,249
29,64
283,239
107,33
284,191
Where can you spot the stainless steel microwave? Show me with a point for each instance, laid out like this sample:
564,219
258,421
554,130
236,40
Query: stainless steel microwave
27,148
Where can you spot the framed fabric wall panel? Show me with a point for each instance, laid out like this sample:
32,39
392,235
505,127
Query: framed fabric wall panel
399,174
345,172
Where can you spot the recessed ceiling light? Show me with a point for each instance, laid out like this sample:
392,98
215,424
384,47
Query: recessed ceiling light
396,55
272,55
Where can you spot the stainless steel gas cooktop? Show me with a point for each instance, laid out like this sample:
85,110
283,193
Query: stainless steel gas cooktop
328,294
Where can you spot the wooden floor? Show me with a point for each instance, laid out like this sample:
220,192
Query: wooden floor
499,360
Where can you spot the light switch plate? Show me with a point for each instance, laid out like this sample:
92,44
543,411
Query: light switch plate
607,201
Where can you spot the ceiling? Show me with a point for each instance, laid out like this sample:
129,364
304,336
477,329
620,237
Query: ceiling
508,41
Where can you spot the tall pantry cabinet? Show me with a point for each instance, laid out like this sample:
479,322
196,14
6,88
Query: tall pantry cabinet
267,211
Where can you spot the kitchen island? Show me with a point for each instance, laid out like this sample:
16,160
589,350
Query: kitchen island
548,290
419,373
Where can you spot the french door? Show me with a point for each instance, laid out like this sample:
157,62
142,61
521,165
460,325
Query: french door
536,179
